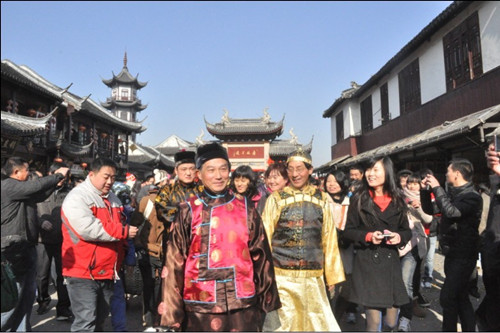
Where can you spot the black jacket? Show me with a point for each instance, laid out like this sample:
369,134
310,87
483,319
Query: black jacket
491,235
18,207
50,210
460,211
377,279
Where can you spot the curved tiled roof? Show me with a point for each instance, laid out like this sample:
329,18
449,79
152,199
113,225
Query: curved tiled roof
447,130
19,75
146,154
246,127
18,125
98,111
76,150
124,77
26,76
285,147
112,102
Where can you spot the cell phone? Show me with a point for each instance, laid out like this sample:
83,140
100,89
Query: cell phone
387,235
496,143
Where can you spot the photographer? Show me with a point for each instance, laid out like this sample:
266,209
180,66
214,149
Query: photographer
20,233
461,210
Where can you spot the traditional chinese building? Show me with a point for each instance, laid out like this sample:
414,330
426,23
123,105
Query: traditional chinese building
42,122
254,141
124,103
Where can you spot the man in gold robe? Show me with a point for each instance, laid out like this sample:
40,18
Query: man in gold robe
301,231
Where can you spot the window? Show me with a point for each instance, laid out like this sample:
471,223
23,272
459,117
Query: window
125,95
409,87
384,103
462,53
366,115
339,122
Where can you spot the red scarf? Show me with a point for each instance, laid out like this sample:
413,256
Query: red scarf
382,201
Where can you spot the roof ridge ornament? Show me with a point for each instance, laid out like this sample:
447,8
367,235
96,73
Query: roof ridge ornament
294,140
267,117
199,138
125,60
225,117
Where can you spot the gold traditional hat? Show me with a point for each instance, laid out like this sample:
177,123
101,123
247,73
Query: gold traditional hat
300,155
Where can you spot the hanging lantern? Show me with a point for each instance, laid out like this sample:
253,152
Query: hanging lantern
83,165
82,128
58,158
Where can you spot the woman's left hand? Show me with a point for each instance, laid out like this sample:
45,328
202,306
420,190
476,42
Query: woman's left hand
395,238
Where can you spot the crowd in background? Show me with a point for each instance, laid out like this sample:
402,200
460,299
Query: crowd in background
364,240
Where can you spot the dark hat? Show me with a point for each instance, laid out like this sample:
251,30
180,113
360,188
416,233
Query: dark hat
209,152
184,156
404,173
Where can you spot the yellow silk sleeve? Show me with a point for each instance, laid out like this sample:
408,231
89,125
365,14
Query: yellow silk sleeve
270,217
334,269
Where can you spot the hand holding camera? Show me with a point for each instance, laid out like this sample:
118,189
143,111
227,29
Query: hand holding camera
430,181
493,155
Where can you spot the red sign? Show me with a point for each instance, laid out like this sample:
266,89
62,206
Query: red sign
245,152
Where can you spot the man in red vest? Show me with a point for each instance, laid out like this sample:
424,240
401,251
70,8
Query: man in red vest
219,274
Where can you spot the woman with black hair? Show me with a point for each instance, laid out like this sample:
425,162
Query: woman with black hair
377,224
337,185
244,181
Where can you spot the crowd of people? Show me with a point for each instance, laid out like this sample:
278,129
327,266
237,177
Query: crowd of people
213,250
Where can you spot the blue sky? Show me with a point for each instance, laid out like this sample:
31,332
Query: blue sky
199,58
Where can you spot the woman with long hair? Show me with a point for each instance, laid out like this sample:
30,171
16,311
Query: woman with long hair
244,181
412,253
337,185
377,224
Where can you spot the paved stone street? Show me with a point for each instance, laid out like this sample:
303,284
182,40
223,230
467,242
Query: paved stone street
431,323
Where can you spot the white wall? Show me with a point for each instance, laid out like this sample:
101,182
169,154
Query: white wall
393,90
333,130
432,71
354,118
489,23
376,108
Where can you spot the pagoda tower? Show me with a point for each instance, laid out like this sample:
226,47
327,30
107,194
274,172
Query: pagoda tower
124,103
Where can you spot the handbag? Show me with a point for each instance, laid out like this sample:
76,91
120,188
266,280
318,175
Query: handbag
10,294
133,282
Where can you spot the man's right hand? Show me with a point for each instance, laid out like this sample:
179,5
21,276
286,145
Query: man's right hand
47,226
63,171
132,231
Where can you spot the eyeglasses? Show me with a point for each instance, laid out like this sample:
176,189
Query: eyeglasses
298,170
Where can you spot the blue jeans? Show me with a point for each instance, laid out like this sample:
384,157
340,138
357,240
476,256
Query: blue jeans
119,306
429,259
90,302
18,319
408,266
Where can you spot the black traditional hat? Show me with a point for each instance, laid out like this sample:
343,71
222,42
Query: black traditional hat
184,156
209,152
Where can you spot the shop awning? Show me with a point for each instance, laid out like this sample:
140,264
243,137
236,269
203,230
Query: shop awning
444,131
